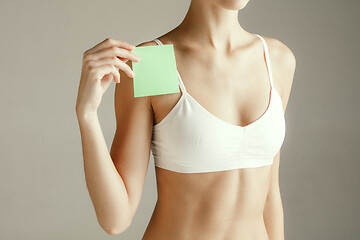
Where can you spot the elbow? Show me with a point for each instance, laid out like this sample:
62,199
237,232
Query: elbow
116,229
115,226
115,222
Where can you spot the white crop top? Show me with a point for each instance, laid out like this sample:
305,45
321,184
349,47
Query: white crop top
192,140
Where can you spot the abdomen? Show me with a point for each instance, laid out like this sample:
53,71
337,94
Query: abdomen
214,205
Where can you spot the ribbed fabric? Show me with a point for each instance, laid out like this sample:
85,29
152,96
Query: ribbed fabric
192,140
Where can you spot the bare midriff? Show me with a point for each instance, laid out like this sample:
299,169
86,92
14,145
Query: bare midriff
223,205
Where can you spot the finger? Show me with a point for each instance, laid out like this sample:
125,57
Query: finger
108,43
100,71
110,52
116,75
115,62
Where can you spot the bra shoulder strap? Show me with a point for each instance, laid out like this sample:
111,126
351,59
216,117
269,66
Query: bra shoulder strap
158,41
267,58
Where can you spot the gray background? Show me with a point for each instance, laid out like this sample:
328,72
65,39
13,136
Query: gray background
42,185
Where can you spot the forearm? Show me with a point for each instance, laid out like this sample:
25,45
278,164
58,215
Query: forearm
274,216
105,185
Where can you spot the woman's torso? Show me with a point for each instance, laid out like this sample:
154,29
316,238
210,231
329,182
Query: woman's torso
222,204
213,206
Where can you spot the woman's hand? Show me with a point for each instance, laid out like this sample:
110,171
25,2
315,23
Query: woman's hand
101,64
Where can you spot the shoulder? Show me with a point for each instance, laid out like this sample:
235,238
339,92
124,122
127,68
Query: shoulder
124,90
127,82
281,56
283,64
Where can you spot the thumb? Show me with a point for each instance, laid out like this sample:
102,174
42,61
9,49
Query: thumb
106,80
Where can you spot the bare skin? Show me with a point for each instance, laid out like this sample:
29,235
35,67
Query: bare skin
225,204
236,204
215,57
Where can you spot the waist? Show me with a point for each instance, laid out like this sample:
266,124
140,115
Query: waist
226,204
238,194
169,223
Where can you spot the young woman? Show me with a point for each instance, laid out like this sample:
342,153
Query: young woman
216,143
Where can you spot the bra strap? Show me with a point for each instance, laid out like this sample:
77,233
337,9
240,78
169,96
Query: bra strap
182,86
267,58
158,41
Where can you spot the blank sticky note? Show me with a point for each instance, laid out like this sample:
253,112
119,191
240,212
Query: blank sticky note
156,73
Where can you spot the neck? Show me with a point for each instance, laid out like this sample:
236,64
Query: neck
212,26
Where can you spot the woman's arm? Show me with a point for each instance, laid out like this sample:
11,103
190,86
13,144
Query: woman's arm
107,188
283,67
273,211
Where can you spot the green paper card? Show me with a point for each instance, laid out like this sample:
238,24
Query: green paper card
156,73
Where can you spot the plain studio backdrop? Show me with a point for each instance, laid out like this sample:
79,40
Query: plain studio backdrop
42,184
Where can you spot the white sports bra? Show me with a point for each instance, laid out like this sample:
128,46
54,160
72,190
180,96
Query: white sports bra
192,140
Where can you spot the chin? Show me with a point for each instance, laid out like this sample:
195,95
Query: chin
231,4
